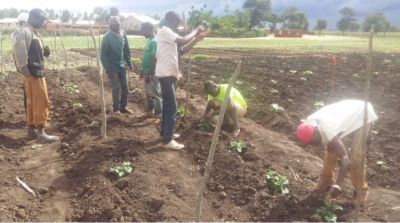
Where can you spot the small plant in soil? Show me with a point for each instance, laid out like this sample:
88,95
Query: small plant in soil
274,81
290,100
72,89
136,60
382,164
303,78
78,105
273,91
319,104
281,71
388,61
276,108
95,124
121,171
374,132
356,75
254,88
293,71
237,146
376,73
200,56
328,211
137,90
181,112
204,126
277,182
36,146
307,72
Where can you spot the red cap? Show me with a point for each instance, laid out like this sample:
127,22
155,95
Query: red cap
305,132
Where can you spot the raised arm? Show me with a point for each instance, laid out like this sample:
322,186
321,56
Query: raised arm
186,39
190,46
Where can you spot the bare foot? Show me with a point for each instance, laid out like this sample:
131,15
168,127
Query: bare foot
47,139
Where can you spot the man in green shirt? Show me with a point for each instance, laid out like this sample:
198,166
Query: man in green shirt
149,61
114,54
236,109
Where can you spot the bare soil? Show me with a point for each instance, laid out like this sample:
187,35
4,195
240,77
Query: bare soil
72,181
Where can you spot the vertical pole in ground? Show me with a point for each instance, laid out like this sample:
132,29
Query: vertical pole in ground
55,50
66,78
3,69
103,105
365,128
99,36
199,198
188,88
88,54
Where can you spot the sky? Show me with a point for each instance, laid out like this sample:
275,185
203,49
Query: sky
315,9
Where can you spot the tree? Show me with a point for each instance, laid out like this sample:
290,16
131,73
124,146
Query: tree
288,14
348,16
354,27
197,16
377,20
85,16
386,27
321,25
273,19
259,9
114,11
9,13
66,16
100,15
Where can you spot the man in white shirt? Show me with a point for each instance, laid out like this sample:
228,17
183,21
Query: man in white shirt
329,126
167,71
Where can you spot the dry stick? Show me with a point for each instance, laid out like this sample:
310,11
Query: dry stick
365,127
26,187
103,105
55,50
188,88
88,47
66,59
3,69
203,184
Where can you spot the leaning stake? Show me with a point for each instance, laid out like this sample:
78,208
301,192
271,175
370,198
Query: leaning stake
66,78
26,187
199,198
364,132
103,105
188,88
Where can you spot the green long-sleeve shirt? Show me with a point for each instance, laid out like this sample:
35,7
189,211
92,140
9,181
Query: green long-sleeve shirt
115,52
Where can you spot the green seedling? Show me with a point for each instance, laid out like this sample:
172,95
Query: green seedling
276,108
382,164
273,91
78,105
237,146
303,78
290,100
137,90
136,60
328,211
204,126
376,73
239,82
36,146
95,124
122,171
200,57
281,71
388,61
277,182
72,89
374,132
274,81
293,71
213,77
181,112
319,104
254,88
289,86
307,72
356,75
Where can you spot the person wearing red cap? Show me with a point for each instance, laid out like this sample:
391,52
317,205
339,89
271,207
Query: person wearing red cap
329,126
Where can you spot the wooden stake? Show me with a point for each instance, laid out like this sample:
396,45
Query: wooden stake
88,53
55,50
3,69
199,198
103,105
365,127
66,78
99,37
188,88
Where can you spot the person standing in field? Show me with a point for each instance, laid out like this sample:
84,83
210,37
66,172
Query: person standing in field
149,61
329,126
28,54
235,110
168,72
114,54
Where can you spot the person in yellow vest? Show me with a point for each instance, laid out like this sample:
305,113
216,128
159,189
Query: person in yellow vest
236,109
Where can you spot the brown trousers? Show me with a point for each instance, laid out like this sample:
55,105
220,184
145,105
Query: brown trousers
38,103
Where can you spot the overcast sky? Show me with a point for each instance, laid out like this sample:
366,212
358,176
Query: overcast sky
315,9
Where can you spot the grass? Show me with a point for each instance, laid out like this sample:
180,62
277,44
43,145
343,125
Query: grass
305,45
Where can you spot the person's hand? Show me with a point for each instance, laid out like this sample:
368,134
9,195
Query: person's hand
336,190
200,37
47,51
148,78
131,68
200,29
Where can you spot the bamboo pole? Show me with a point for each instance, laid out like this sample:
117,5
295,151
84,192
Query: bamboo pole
199,198
365,127
3,69
66,78
55,50
99,36
188,88
88,54
103,105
